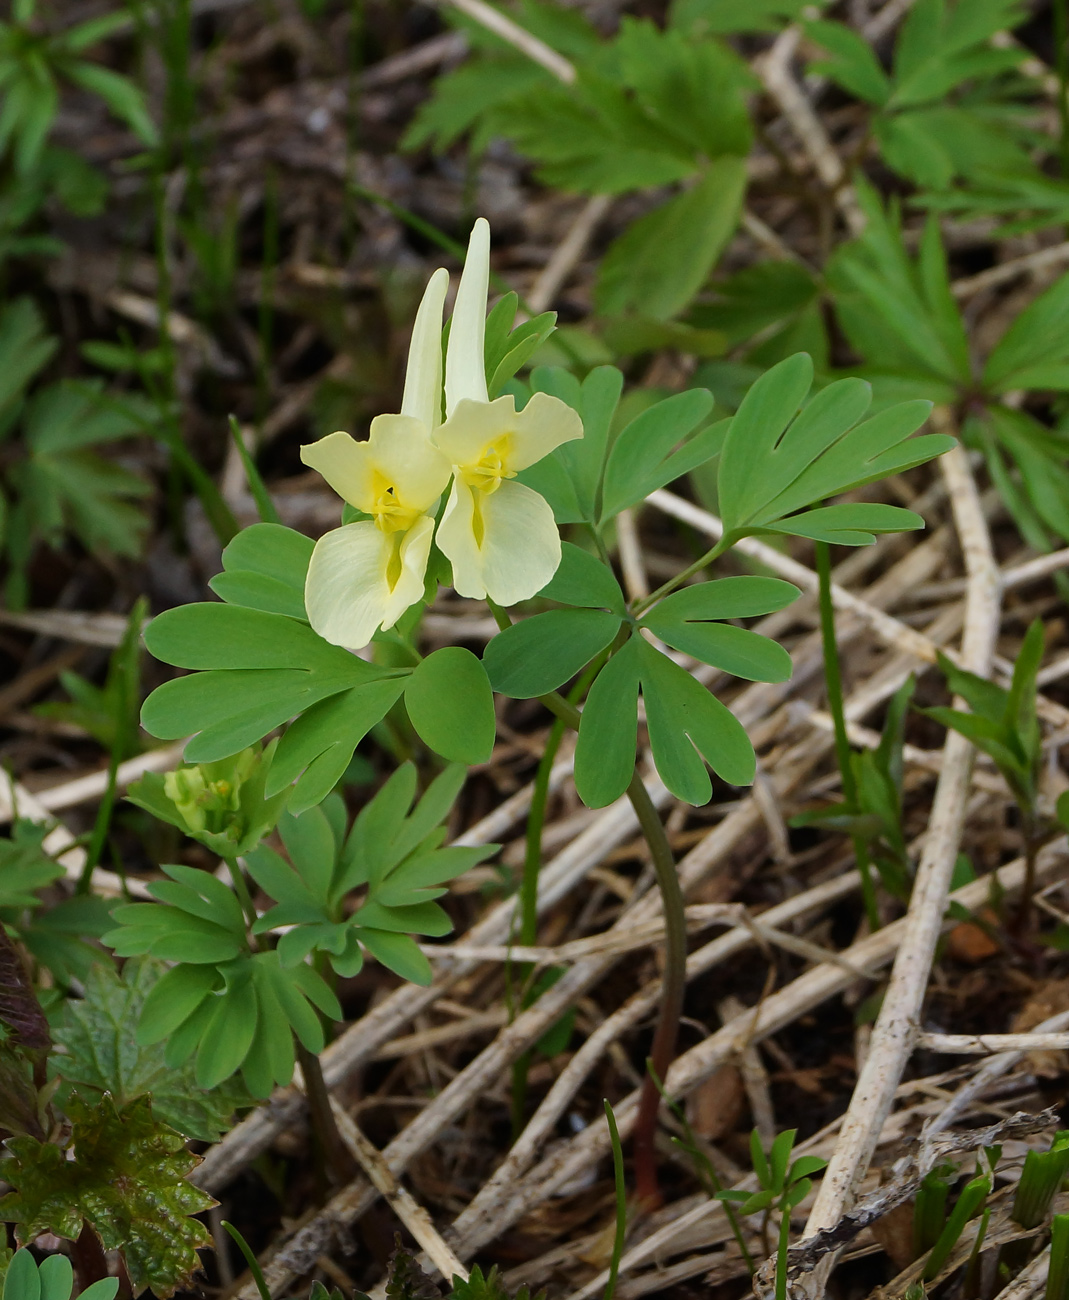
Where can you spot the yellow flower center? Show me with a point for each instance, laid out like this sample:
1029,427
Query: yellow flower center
391,514
489,470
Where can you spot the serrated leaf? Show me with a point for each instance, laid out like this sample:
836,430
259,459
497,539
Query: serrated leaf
102,1055
128,1179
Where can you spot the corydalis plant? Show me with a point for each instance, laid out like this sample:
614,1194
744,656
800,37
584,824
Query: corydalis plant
499,535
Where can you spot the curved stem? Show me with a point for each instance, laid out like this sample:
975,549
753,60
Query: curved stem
673,988
333,1153
702,562
244,897
675,968
675,934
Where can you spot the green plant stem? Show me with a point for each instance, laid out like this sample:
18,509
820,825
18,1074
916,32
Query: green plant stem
1033,842
702,562
675,968
673,985
834,689
100,826
532,865
334,1154
244,897
781,1251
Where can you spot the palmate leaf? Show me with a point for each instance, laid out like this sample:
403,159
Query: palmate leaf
101,1054
25,866
775,461
259,671
394,850
197,919
898,312
25,348
542,653
264,568
570,477
1003,723
128,1180
237,1015
1034,351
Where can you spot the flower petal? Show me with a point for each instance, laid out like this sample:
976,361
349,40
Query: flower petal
465,365
504,544
524,437
347,592
543,424
423,379
402,453
473,426
415,550
456,541
345,464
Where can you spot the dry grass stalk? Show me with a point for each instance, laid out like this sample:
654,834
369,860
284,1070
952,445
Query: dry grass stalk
896,1027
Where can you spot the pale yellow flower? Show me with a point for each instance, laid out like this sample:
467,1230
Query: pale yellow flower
363,576
499,535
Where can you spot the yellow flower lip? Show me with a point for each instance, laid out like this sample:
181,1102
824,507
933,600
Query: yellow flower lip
487,473
389,511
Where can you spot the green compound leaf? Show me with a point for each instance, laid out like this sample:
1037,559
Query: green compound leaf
264,568
393,849
25,866
539,654
583,580
128,1180
688,723
605,750
681,620
1033,352
237,1015
661,261
570,477
634,467
197,920
260,670
777,460
102,1055
451,705
318,746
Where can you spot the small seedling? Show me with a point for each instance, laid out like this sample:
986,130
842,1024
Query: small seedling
784,1185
